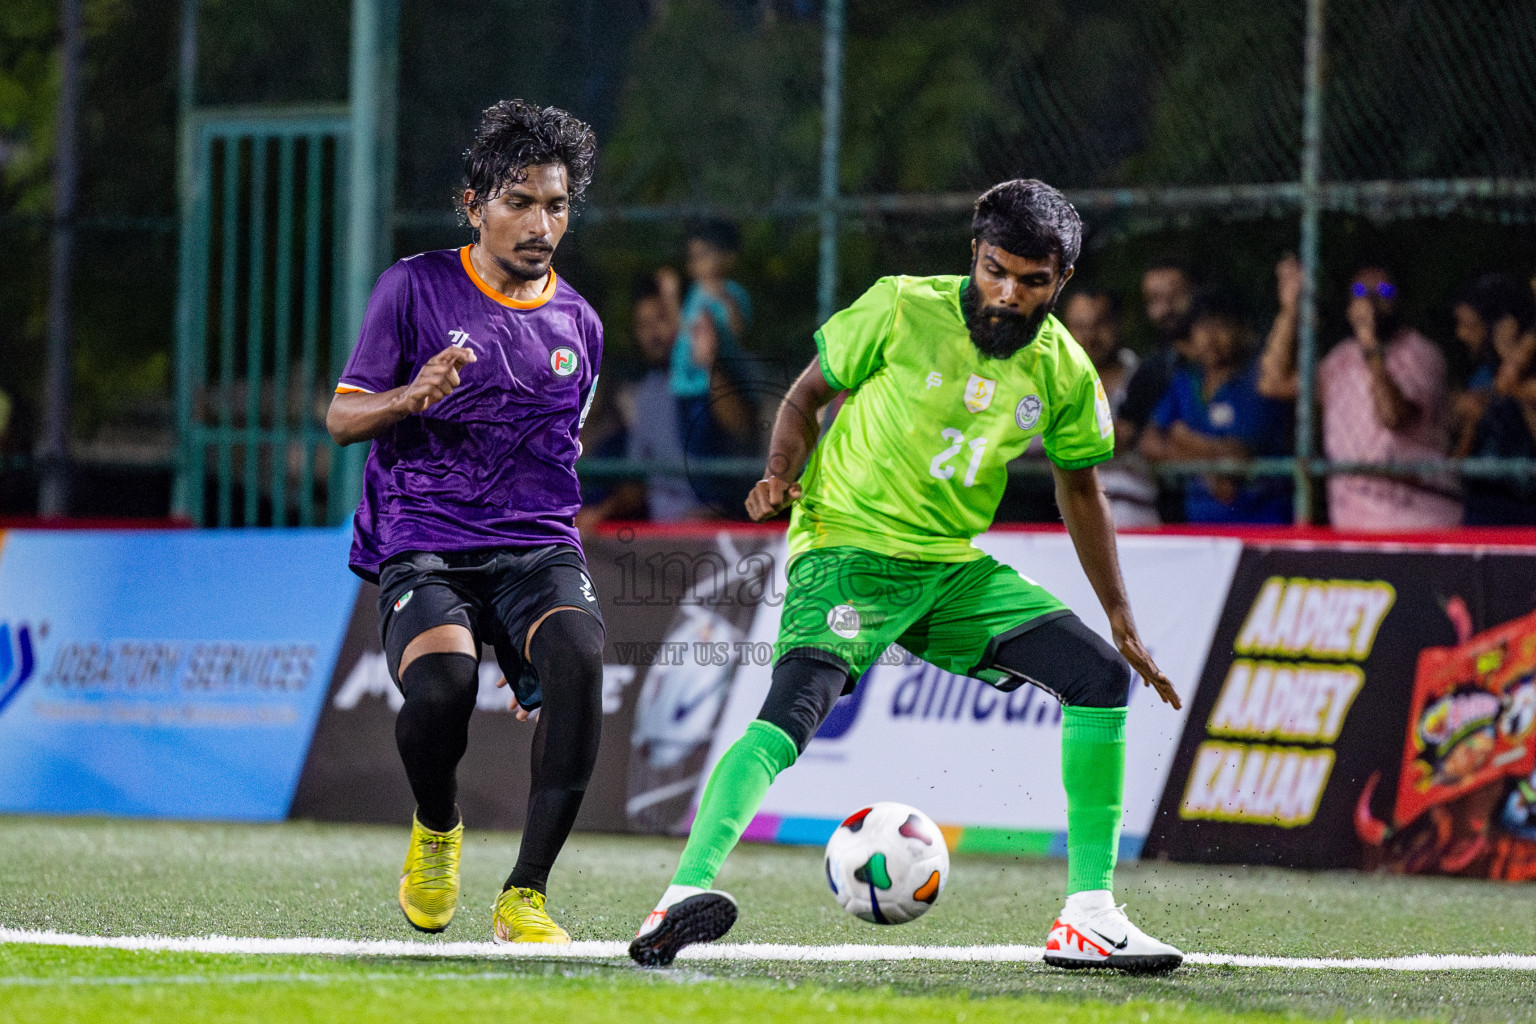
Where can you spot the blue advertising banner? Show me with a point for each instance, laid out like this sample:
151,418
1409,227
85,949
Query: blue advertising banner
165,674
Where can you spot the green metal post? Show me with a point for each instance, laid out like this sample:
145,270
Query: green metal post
1311,212
58,380
309,339
831,146
190,193
229,267
339,491
192,326
370,200
282,323
255,308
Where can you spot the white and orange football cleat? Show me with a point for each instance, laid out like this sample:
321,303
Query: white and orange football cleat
685,915
1092,931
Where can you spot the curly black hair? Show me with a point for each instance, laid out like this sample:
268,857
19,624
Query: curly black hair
515,135
1030,219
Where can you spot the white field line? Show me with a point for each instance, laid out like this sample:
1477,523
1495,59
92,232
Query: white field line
281,978
845,953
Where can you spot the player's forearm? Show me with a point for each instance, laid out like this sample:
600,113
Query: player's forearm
1085,510
794,435
358,416
796,427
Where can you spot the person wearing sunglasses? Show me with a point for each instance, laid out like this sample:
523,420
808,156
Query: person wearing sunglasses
1383,397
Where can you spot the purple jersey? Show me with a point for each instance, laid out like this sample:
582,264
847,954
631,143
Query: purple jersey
493,465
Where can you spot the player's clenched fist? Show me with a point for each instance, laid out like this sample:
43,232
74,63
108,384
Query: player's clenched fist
437,378
771,496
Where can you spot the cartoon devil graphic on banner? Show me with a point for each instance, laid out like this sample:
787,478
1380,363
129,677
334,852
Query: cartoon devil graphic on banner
1466,793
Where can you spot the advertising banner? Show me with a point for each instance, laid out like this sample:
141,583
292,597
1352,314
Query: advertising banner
675,607
691,622
168,674
984,764
1365,709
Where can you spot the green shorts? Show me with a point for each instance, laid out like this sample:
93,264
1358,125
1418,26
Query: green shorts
853,604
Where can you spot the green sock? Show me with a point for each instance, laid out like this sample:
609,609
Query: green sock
735,791
1093,771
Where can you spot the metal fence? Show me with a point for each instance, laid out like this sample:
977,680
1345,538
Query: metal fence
1340,88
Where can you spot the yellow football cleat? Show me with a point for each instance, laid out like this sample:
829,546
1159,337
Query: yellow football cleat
429,881
520,917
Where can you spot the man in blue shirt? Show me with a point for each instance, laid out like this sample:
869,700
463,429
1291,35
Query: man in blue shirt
1213,410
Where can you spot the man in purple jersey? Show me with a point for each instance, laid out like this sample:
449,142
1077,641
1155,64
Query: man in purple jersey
472,375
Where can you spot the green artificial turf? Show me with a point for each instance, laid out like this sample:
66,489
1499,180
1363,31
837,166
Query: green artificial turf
133,878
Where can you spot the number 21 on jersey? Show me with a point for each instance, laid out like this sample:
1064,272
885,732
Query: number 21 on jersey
937,468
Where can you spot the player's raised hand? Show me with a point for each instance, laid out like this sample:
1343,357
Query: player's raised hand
1141,661
437,378
771,496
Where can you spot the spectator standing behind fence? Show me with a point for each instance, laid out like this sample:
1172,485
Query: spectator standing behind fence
708,360
1167,288
1382,392
1497,314
652,432
1213,410
713,320
1487,303
1093,319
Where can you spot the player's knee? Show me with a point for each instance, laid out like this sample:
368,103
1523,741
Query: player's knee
801,696
442,683
567,651
1105,682
567,655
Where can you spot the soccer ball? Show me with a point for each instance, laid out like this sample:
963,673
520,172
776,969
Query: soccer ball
887,863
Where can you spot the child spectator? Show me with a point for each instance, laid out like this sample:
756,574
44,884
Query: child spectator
709,365
1213,410
1504,315
1488,301
651,431
715,313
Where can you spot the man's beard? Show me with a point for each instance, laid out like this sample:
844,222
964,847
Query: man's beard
999,333
531,263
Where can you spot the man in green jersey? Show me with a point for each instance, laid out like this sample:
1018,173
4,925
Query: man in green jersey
948,378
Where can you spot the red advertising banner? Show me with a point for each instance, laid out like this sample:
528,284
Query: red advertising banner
1473,718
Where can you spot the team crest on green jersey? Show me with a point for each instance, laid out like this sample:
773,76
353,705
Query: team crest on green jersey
1028,412
1102,411
978,392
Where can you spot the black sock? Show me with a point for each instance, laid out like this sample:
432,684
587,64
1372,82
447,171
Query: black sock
801,696
567,654
432,731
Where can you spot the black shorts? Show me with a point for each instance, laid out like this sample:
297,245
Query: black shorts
496,594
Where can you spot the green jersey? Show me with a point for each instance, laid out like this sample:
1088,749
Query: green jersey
915,462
